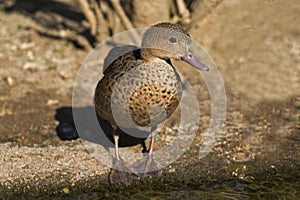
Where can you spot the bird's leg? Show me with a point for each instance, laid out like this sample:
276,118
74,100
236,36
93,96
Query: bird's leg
151,143
147,164
120,172
116,136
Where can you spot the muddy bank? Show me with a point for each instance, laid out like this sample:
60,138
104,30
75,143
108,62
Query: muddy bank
69,171
238,163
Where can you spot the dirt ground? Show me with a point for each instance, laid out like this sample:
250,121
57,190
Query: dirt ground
256,46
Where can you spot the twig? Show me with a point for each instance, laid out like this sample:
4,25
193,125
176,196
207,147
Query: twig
184,13
201,10
66,34
116,23
102,25
124,19
118,8
85,6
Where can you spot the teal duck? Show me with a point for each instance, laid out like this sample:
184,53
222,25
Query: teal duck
142,88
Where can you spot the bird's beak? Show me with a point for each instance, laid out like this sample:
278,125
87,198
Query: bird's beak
189,58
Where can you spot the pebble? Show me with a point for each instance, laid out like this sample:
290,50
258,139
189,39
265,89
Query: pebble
52,102
10,80
30,66
30,55
172,170
66,190
25,166
28,45
5,111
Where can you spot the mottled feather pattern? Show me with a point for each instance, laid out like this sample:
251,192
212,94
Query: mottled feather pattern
138,86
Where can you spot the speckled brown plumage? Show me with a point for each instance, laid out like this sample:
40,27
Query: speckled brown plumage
152,84
143,84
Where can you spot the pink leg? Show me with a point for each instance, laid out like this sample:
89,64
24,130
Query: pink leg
151,143
148,162
119,172
116,139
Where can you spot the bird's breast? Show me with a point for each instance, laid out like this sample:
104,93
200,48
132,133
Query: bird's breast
144,95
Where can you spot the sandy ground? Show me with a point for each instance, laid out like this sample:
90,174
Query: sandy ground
256,47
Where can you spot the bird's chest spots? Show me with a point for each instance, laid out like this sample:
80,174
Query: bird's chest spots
148,81
145,86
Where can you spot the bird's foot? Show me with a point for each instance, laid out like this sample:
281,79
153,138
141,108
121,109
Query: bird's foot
120,173
146,167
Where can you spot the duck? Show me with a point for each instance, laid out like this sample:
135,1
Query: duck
141,89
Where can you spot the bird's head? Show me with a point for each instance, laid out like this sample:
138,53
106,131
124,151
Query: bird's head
167,40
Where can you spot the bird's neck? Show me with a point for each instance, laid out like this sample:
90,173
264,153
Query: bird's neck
149,55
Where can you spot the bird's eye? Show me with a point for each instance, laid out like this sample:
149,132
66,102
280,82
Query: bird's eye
172,40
